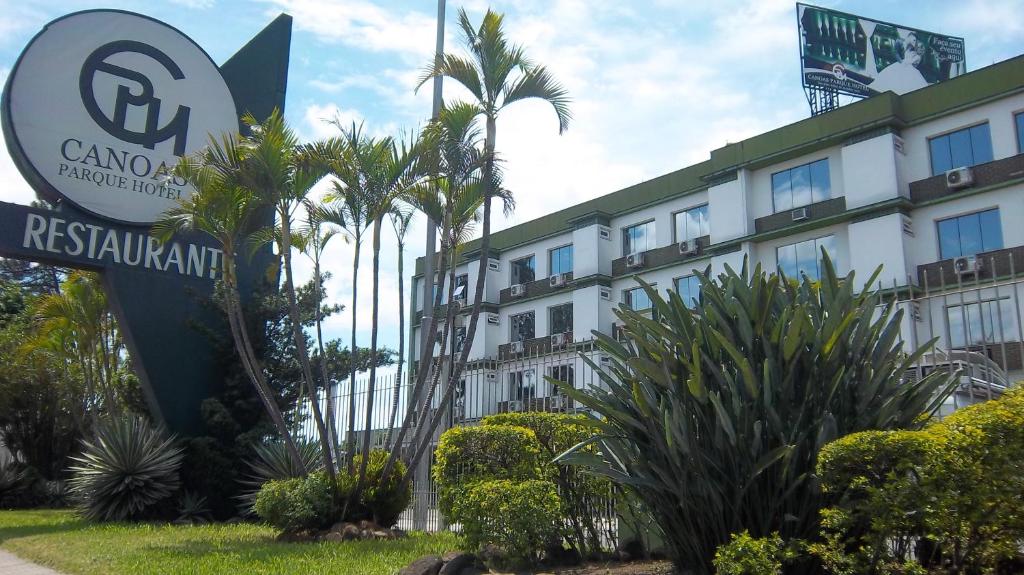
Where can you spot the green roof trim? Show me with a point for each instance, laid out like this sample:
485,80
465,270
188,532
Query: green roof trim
883,113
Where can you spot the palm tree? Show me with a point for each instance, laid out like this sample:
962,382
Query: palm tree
276,170
401,218
497,73
339,157
228,212
317,233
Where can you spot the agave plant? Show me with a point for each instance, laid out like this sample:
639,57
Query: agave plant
125,470
273,461
192,508
13,476
713,417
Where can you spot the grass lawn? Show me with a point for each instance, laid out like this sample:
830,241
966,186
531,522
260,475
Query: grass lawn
60,540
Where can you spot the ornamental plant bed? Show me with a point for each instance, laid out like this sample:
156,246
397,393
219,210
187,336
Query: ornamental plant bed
613,568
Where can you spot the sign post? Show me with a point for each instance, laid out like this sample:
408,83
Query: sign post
96,112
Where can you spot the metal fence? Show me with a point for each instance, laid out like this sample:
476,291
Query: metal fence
975,319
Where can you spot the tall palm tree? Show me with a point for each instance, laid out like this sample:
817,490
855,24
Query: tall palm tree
339,156
274,167
497,73
229,212
401,218
317,233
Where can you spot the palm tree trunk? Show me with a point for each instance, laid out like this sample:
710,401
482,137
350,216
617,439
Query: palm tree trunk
421,370
485,246
401,346
332,428
372,385
239,332
300,347
446,336
350,440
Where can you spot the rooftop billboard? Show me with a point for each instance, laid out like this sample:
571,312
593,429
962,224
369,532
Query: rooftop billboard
863,57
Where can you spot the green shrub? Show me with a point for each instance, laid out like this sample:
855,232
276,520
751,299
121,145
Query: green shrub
713,416
519,517
947,498
125,471
580,492
746,555
469,454
297,503
272,461
383,502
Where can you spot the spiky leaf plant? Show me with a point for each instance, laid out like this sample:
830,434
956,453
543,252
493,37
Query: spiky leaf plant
192,508
126,469
714,416
272,461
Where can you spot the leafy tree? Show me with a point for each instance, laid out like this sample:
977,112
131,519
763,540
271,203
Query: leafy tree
714,416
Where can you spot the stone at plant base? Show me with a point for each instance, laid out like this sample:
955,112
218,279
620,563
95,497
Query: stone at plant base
296,536
426,565
333,536
455,562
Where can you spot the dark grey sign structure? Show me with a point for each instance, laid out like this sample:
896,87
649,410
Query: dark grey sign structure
159,292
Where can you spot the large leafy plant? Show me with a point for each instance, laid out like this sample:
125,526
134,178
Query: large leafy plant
714,416
126,470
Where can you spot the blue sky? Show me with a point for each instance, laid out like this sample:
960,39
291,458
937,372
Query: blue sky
656,84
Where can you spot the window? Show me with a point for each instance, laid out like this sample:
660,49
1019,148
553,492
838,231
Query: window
688,288
801,185
1019,118
461,287
560,319
638,238
970,234
522,326
636,299
560,260
983,322
459,338
523,270
962,148
563,373
805,257
692,223
521,385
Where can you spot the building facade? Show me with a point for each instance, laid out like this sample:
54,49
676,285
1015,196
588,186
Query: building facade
929,185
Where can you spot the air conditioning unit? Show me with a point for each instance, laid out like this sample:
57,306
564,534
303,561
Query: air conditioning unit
800,214
518,290
558,340
558,402
557,280
635,260
967,266
515,406
689,248
493,319
959,178
515,347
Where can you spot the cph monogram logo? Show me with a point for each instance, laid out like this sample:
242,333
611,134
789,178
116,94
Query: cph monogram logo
176,128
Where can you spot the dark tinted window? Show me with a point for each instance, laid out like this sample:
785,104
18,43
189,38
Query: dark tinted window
522,327
523,270
1019,118
688,289
560,319
963,148
804,258
970,234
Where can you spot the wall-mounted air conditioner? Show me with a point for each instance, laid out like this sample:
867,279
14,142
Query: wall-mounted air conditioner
517,290
967,266
800,214
635,260
515,405
558,340
689,248
515,347
959,178
557,280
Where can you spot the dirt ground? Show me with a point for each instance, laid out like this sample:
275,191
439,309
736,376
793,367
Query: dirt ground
614,568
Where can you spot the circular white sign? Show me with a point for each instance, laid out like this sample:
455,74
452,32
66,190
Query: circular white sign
102,104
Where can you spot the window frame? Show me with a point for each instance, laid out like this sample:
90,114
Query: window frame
625,252
512,268
570,371
946,134
572,258
512,326
771,185
675,228
1007,331
1018,128
551,310
520,385
675,287
957,217
465,294
630,303
817,259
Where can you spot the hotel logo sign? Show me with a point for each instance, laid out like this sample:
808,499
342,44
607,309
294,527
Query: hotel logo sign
101,106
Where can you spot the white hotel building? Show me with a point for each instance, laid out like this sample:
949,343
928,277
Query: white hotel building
929,184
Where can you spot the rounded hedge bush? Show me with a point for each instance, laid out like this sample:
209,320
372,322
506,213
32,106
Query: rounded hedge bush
296,504
383,502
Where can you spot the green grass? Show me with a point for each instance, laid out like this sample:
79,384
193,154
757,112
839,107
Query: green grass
62,541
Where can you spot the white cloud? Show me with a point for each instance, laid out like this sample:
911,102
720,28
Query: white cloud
196,4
